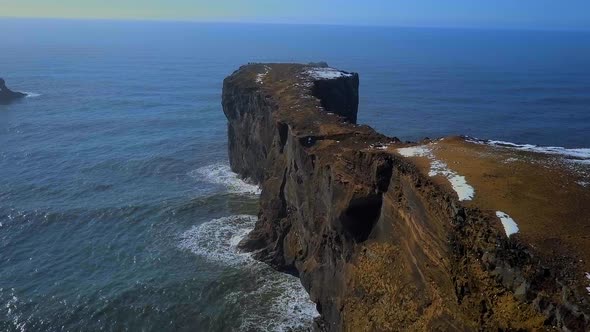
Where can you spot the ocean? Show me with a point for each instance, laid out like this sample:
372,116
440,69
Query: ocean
118,210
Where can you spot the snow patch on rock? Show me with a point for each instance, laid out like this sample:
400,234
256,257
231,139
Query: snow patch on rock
510,226
261,76
438,167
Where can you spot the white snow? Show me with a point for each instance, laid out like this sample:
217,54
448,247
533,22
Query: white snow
326,73
461,187
415,151
437,167
260,77
510,226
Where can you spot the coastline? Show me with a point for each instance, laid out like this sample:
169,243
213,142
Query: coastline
378,238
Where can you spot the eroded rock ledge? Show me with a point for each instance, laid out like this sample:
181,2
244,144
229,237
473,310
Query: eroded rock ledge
377,242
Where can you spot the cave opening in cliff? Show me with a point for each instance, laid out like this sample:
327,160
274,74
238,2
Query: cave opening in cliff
361,216
283,134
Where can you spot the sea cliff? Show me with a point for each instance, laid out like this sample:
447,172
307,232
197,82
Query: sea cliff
383,234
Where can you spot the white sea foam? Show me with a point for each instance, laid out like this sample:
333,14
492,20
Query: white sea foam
221,174
510,226
278,302
31,94
588,277
437,167
217,240
326,73
581,155
12,311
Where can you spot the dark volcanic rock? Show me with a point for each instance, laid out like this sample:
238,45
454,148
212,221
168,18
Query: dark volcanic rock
377,244
7,95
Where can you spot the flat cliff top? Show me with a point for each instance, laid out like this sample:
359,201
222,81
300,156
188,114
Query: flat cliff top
310,109
545,194
291,87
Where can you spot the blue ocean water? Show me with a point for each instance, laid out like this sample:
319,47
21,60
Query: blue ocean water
117,208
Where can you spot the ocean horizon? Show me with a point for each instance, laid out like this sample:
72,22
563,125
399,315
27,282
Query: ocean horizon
118,208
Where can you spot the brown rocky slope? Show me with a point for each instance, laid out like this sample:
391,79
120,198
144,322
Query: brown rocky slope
377,242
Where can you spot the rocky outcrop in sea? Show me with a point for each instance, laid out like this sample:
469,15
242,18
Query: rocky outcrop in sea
7,95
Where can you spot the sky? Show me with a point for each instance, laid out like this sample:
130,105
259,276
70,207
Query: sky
530,14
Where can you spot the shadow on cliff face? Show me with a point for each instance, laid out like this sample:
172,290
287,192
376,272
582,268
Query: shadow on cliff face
361,216
339,96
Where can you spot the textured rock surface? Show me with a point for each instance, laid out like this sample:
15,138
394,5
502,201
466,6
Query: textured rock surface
377,244
7,95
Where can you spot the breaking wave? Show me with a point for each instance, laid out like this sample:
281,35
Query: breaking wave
278,302
32,94
581,155
221,174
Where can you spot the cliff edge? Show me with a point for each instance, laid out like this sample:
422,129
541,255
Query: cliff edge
386,236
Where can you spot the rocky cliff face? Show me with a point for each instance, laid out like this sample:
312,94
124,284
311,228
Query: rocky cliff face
377,244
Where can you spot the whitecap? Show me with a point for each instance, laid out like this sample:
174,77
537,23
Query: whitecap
221,174
13,314
31,94
581,155
510,226
287,306
217,240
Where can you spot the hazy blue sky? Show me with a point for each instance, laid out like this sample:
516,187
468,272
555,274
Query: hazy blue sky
544,14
